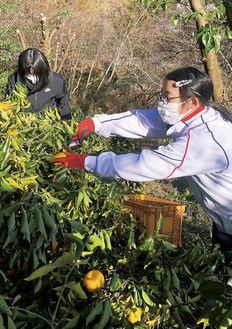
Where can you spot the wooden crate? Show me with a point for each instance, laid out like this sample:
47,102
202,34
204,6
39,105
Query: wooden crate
148,209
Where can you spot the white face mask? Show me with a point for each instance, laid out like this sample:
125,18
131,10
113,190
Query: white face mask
169,112
32,77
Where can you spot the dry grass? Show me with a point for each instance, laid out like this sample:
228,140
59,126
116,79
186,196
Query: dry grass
117,52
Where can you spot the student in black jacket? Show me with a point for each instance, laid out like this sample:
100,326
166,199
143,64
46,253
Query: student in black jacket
46,88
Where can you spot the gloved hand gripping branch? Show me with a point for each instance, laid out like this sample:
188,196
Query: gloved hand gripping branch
84,128
71,160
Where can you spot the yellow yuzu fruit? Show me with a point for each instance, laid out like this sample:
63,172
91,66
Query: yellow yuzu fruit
135,314
6,105
13,132
94,280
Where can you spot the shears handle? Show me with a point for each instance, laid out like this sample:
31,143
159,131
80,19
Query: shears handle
73,144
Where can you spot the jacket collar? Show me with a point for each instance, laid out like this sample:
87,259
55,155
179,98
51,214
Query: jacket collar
192,114
177,129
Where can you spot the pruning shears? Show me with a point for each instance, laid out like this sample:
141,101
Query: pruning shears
77,142
70,145
73,144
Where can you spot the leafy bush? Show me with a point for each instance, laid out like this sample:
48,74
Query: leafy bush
58,224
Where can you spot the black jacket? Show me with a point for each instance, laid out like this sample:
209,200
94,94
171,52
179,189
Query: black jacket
53,95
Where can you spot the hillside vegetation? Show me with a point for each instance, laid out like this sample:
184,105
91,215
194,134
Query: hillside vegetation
57,225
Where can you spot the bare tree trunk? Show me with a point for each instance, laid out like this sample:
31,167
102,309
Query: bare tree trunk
210,59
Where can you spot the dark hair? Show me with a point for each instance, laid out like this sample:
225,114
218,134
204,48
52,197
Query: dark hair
198,84
33,58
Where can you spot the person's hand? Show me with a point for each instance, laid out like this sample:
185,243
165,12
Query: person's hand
84,128
70,160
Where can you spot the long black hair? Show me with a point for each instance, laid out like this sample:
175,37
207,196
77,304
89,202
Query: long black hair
34,60
197,84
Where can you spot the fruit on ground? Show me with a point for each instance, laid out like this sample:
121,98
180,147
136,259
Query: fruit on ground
94,280
135,314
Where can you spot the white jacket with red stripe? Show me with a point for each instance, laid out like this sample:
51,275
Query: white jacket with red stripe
201,151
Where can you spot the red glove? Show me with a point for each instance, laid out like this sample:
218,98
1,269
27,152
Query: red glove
84,129
71,160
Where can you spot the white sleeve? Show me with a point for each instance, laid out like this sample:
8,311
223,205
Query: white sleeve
177,159
146,166
131,124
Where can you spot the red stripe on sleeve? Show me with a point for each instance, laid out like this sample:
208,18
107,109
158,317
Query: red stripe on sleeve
182,161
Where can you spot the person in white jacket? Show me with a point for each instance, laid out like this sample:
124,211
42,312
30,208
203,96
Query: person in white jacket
200,149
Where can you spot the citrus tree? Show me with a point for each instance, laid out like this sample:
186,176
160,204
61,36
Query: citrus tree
71,256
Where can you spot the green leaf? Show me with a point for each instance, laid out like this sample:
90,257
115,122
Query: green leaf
105,316
79,199
35,261
8,210
205,322
40,221
175,18
229,282
11,222
16,299
63,260
76,287
169,246
211,288
175,279
229,34
72,323
77,241
187,270
49,223
3,276
1,322
146,298
207,39
167,280
198,279
170,300
10,324
194,299
4,308
226,322
148,244
159,223
107,240
115,283
131,240
217,41
43,270
103,245
93,242
24,225
76,225
11,238
86,199
14,144
96,311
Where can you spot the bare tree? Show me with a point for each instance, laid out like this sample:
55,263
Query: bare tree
210,58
